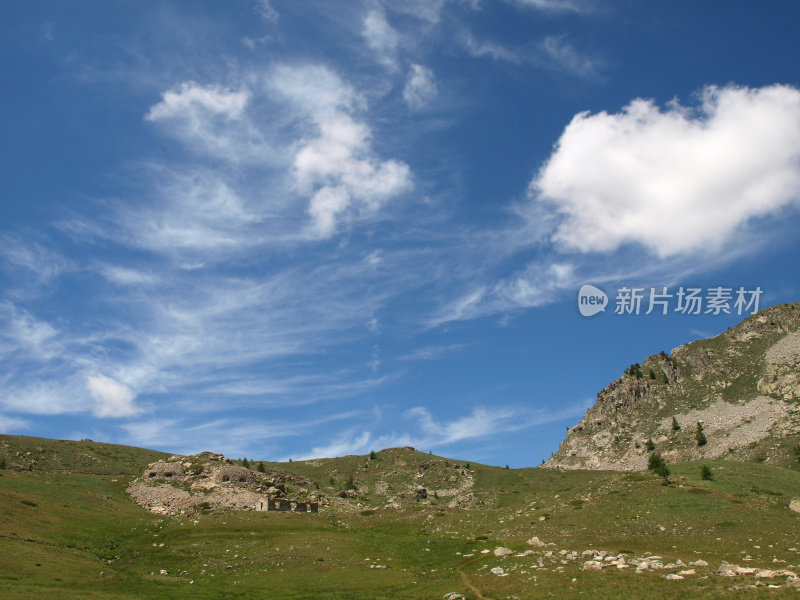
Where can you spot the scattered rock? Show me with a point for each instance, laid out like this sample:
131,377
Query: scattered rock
728,570
673,577
500,551
535,541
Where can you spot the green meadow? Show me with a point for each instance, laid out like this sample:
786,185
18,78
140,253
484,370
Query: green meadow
68,529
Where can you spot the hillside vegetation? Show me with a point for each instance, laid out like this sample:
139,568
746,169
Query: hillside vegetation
69,529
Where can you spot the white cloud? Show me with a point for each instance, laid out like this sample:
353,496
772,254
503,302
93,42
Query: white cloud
124,276
112,398
190,99
265,10
553,53
480,423
675,180
195,211
552,5
24,335
38,264
561,55
47,396
211,119
429,11
420,87
337,167
381,38
431,352
430,433
12,424
538,284
481,48
348,443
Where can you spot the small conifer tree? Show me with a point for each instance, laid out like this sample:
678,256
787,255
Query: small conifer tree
245,463
261,468
658,465
699,435
650,445
706,474
372,455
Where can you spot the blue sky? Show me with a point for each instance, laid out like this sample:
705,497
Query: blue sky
294,229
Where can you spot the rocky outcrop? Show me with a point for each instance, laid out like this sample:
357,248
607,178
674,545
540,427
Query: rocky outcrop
207,481
742,387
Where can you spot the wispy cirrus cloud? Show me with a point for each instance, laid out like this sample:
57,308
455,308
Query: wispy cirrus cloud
265,10
420,87
232,436
429,433
553,53
10,425
381,38
559,54
554,5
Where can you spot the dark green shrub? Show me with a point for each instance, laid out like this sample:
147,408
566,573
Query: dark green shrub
706,474
700,436
658,465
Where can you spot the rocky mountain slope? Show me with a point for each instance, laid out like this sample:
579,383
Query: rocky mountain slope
735,396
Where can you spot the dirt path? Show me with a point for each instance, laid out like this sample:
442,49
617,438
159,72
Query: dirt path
471,587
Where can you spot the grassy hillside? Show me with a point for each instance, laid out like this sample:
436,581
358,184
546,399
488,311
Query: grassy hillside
68,530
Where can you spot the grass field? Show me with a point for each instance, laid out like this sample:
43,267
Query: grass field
69,530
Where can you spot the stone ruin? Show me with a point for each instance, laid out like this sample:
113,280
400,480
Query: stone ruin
235,475
282,505
164,470
207,481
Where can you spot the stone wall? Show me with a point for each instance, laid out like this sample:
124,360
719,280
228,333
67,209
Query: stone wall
164,470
